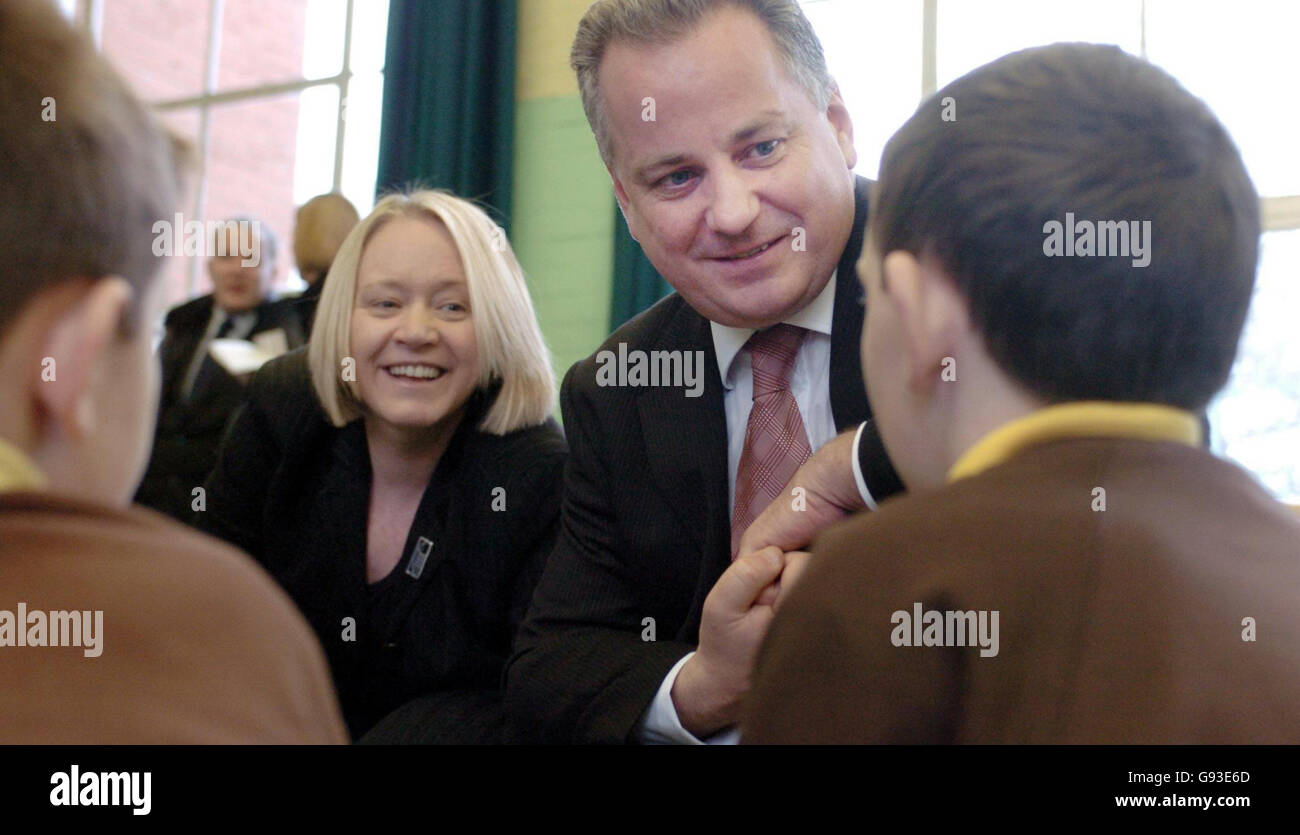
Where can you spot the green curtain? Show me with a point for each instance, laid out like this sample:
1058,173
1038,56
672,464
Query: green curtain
636,283
449,100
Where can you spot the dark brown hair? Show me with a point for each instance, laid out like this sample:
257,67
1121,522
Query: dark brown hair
83,190
1092,131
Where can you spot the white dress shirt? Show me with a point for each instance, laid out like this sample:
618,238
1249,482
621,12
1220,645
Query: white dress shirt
241,325
810,385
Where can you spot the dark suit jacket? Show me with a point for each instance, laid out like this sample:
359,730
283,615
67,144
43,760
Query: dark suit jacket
198,645
294,491
189,432
305,304
1115,626
645,530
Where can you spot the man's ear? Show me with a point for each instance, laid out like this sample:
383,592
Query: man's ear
620,194
926,306
837,113
83,328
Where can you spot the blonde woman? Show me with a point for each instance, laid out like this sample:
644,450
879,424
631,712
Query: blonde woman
401,477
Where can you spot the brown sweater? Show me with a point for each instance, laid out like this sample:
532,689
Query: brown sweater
1116,626
198,644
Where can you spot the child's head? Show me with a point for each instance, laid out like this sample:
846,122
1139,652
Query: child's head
87,172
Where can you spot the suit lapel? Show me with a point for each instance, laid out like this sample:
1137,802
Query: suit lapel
686,442
189,325
848,395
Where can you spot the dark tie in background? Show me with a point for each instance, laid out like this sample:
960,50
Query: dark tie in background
208,369
776,443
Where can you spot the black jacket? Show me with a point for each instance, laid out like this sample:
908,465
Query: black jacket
306,302
645,529
189,432
294,491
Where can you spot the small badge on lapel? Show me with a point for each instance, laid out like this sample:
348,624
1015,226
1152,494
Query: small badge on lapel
419,556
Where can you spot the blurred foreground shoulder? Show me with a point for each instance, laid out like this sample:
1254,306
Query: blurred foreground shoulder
193,642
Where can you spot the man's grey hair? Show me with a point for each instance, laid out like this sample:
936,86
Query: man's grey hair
658,22
267,242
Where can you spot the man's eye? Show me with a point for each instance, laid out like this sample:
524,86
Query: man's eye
766,149
677,178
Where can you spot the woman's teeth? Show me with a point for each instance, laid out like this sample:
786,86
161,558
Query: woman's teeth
418,372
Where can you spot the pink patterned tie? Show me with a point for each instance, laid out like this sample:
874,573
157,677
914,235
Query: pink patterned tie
775,440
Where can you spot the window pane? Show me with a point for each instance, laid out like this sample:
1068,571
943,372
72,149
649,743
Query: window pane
318,121
361,142
1244,64
176,271
972,34
1256,419
881,84
261,42
369,35
161,48
323,44
250,170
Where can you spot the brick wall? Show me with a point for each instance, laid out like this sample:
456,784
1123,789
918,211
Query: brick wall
161,47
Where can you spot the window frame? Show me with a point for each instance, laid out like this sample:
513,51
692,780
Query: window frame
91,18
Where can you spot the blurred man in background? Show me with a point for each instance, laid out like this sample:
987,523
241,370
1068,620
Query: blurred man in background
199,395
322,224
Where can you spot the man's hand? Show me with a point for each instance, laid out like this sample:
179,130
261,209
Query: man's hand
711,685
795,563
830,494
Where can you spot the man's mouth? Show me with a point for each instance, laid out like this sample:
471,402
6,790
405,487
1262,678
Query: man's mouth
750,253
414,371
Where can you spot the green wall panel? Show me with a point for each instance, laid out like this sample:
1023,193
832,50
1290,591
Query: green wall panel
563,225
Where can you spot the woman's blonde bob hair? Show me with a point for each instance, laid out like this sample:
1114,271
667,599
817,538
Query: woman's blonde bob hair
510,344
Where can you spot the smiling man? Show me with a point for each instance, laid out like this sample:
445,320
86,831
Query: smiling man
731,153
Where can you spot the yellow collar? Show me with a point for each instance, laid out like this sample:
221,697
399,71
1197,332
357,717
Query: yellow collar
17,472
1137,421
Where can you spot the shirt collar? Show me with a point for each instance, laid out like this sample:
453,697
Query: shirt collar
727,341
239,322
17,471
1093,419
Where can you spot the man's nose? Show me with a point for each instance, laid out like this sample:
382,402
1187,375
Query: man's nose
733,205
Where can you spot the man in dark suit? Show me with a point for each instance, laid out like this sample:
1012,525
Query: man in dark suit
198,396
731,155
1069,565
